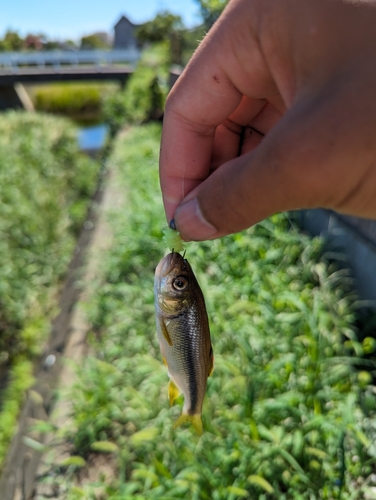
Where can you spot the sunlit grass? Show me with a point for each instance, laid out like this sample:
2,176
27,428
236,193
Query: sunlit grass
80,101
282,415
45,188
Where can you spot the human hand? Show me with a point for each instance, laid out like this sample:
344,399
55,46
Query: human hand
275,111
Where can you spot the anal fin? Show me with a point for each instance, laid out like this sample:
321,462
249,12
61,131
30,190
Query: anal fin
173,392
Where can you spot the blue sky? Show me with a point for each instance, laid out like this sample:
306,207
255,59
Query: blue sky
75,18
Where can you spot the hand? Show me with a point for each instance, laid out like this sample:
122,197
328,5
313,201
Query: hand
275,111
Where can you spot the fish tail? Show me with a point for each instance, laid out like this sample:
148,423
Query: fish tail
195,420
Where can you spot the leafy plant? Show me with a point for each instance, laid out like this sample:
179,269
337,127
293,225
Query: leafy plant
211,10
145,92
80,101
284,415
43,177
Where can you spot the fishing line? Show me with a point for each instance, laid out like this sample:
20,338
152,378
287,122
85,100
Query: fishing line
183,184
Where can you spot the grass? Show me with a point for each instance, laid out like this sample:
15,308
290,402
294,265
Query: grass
45,188
80,101
286,415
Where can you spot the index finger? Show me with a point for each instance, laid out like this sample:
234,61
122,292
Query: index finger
208,91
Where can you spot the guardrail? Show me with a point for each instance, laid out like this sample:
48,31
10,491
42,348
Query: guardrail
12,61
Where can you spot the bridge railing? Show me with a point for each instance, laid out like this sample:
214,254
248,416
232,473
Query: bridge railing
12,61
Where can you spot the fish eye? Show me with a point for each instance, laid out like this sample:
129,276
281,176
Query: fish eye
180,283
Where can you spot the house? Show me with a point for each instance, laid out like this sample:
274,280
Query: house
125,34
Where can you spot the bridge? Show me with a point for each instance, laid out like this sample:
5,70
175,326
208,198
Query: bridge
61,65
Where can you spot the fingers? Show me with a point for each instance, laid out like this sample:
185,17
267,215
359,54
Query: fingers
307,160
207,93
231,137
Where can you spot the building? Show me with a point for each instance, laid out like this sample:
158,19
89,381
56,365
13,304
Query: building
125,37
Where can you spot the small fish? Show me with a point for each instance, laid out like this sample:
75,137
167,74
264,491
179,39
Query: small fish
183,334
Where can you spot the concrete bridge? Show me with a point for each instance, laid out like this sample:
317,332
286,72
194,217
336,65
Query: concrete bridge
17,68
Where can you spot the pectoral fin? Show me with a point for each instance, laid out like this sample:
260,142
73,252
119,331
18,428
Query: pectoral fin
164,331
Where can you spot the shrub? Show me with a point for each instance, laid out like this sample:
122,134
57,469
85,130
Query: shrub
80,101
144,95
43,177
45,187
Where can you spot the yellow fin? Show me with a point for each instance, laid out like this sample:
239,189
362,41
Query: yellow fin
165,332
195,420
173,392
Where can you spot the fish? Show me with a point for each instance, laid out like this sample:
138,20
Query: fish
183,335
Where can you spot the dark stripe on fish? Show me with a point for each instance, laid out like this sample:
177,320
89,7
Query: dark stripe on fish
193,387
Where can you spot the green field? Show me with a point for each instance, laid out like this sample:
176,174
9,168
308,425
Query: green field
286,415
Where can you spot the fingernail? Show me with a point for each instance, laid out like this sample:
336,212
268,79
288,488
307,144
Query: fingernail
172,224
191,222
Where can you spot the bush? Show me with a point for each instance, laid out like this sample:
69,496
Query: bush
144,95
43,178
45,187
80,101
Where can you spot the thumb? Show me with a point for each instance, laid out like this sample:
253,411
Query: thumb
307,160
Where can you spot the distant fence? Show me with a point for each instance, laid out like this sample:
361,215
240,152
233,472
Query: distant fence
12,62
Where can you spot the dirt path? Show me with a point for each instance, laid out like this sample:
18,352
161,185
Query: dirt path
76,347
67,346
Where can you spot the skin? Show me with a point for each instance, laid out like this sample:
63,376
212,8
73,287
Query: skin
275,111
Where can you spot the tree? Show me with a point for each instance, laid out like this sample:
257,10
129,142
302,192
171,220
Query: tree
11,42
211,10
33,42
95,41
164,27
160,28
51,45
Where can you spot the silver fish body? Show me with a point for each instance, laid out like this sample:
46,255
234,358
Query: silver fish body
183,334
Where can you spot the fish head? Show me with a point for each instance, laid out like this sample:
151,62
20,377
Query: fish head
174,283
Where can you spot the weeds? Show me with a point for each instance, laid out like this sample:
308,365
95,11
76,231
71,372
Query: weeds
282,415
80,101
43,181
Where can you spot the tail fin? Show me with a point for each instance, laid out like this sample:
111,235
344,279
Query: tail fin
195,420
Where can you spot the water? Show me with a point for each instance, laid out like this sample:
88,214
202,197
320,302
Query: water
92,139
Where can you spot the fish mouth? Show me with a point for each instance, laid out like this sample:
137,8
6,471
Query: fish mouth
167,264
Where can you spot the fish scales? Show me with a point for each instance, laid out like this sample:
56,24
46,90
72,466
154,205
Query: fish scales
183,333
184,358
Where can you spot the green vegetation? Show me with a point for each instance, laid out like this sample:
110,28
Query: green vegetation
145,92
211,10
45,187
286,415
96,41
80,101
168,28
13,41
141,100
